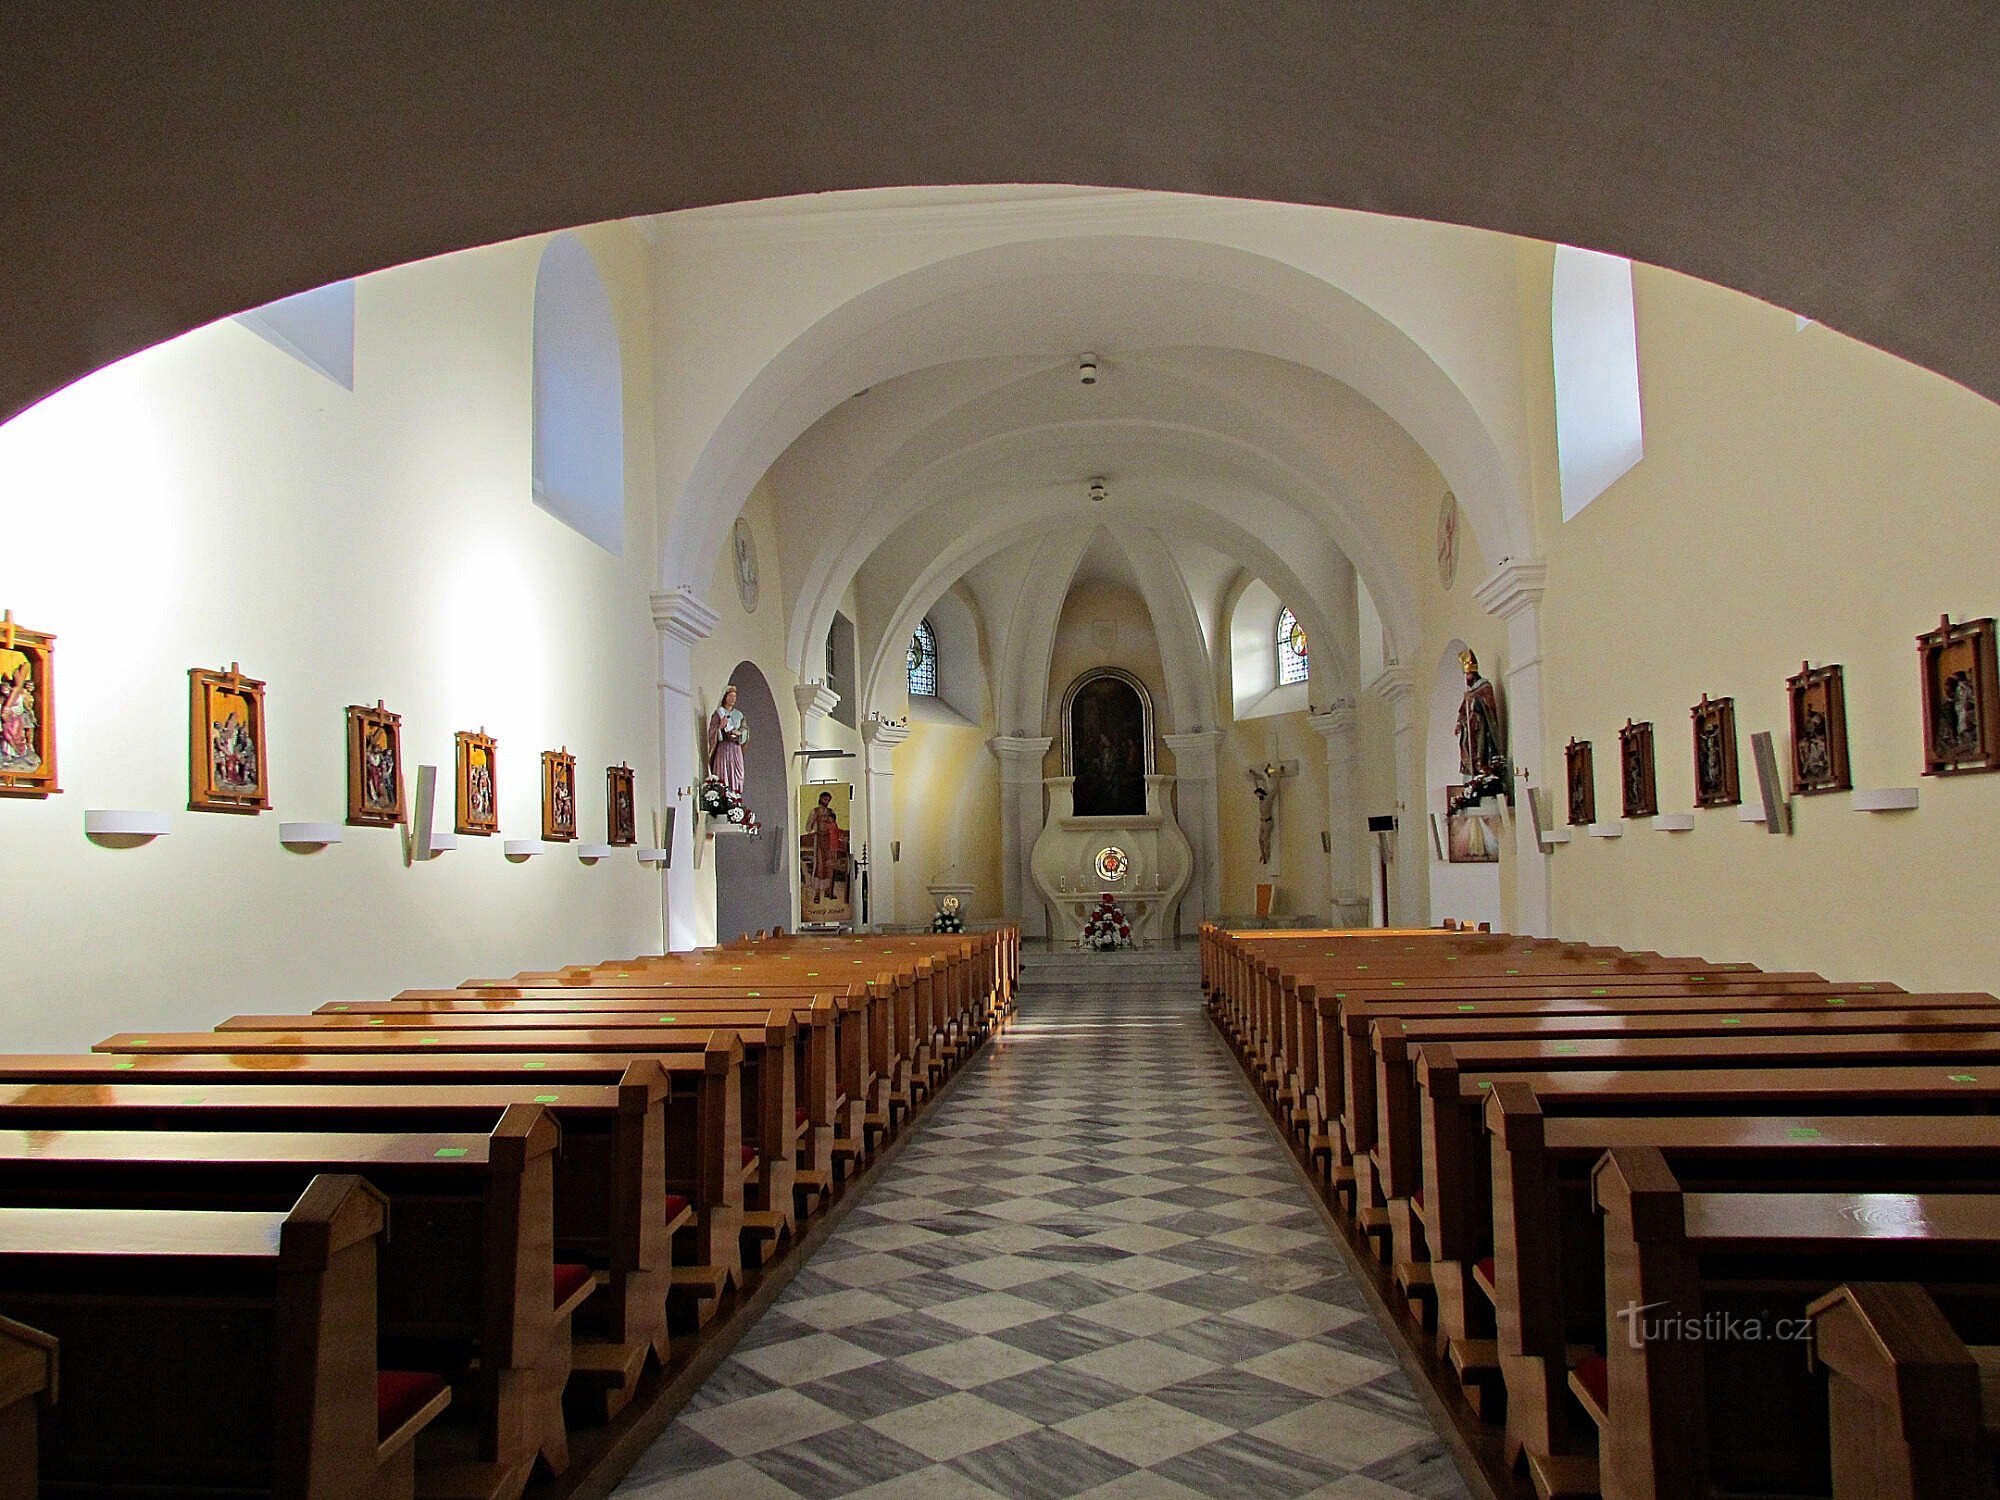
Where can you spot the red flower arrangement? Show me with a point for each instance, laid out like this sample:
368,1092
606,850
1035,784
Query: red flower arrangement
1106,927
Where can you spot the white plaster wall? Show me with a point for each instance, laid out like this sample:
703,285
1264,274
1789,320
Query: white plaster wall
213,500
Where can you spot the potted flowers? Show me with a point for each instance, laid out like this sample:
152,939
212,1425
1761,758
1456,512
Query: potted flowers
1106,927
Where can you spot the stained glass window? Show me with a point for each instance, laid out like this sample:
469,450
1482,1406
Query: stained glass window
1292,652
923,662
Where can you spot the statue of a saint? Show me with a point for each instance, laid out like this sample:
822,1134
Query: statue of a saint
728,733
1482,759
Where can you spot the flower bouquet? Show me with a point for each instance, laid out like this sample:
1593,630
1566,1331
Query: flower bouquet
1106,927
718,801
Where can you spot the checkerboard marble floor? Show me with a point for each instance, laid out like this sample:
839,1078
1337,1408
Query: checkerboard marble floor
1090,1273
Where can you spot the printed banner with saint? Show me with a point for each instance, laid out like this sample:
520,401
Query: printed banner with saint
826,866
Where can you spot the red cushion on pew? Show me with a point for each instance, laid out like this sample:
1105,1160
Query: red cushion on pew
676,1206
798,1118
569,1281
1485,1268
400,1395
1594,1375
1418,1197
749,1155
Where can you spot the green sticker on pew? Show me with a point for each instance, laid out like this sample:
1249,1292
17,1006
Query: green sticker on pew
667,1018
1803,1132
545,1098
812,973
1451,958
1361,966
451,1150
124,1065
374,1020
336,1007
1396,984
624,973
1600,992
1864,986
1836,1000
142,1041
1732,1020
194,1101
755,994
537,1063
1963,1078
1486,1083
426,1041
1513,971
1566,1048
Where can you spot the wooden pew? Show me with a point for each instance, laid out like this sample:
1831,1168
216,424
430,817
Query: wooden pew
218,1350
1544,1274
767,1035
611,1211
27,1387
704,1116
468,1274
1912,1406
1677,1413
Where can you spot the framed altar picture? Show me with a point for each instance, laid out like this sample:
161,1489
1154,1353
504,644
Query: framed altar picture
1819,730
558,796
1635,770
826,865
478,783
1716,780
1961,698
374,766
227,767
621,824
1472,837
1582,779
27,711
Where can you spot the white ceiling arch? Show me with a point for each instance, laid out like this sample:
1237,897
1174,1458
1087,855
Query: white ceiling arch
1144,291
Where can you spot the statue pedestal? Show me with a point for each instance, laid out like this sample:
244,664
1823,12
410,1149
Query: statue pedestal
1064,863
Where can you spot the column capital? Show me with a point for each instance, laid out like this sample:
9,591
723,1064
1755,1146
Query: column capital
1396,684
1338,721
1194,753
1517,584
884,735
684,616
1020,757
815,700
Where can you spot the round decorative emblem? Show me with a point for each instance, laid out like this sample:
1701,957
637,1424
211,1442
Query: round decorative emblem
1447,539
1112,864
949,906
746,565
1297,641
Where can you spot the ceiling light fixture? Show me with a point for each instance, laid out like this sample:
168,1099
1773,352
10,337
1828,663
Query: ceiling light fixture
1097,491
1086,369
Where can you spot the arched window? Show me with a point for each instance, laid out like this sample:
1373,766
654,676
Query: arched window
923,661
1292,652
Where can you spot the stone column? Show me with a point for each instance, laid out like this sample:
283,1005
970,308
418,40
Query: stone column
1020,758
1514,594
681,619
879,739
1198,811
1397,686
1347,897
815,700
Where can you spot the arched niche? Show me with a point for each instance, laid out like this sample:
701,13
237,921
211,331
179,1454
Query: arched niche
753,886
1467,891
1107,742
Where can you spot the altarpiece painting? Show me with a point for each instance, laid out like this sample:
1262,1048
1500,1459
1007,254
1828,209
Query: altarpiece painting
1108,743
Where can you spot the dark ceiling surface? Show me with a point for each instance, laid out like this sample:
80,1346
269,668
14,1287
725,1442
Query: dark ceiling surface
162,166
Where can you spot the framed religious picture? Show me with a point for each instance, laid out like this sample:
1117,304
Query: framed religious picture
1635,770
621,826
1819,730
1961,698
227,769
1472,836
1582,779
27,711
478,783
558,796
374,766
1716,782
826,868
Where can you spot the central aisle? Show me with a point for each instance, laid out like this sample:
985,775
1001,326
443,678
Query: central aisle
1091,1271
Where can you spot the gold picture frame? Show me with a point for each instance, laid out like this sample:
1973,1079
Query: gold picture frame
374,766
558,796
621,822
228,766
27,711
477,756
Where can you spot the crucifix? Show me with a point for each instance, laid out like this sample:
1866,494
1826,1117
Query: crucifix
1265,781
